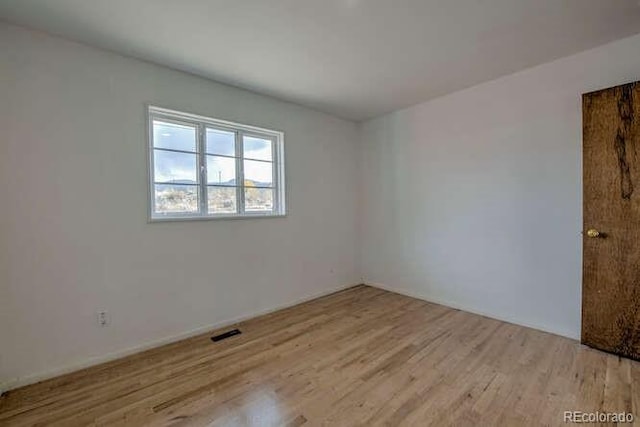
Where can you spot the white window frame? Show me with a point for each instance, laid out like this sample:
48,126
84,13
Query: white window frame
201,123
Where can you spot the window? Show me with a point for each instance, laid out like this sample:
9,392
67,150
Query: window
203,168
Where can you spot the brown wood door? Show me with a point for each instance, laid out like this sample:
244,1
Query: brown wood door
611,245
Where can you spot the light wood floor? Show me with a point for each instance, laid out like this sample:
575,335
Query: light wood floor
358,357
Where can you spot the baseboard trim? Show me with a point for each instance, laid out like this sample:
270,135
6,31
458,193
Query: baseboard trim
97,360
472,310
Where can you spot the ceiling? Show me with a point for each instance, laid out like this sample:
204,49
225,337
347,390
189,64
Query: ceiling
355,59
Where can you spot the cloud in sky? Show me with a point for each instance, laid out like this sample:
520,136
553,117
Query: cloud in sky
174,166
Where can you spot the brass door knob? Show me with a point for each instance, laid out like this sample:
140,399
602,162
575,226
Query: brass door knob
593,233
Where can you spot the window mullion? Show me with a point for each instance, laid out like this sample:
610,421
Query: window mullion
239,173
275,181
204,194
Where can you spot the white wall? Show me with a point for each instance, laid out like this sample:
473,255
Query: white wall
474,199
74,236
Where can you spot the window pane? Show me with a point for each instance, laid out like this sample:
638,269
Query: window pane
170,198
257,148
222,200
174,136
175,167
221,142
258,199
221,170
258,174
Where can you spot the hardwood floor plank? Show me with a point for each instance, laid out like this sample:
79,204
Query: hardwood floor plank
362,356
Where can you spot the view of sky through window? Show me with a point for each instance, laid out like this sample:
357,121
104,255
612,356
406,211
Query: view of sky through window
179,152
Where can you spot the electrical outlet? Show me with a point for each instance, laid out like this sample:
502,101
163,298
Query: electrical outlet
103,319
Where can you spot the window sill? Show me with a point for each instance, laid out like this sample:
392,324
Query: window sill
213,218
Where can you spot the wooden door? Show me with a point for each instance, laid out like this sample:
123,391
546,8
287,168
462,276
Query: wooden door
611,246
